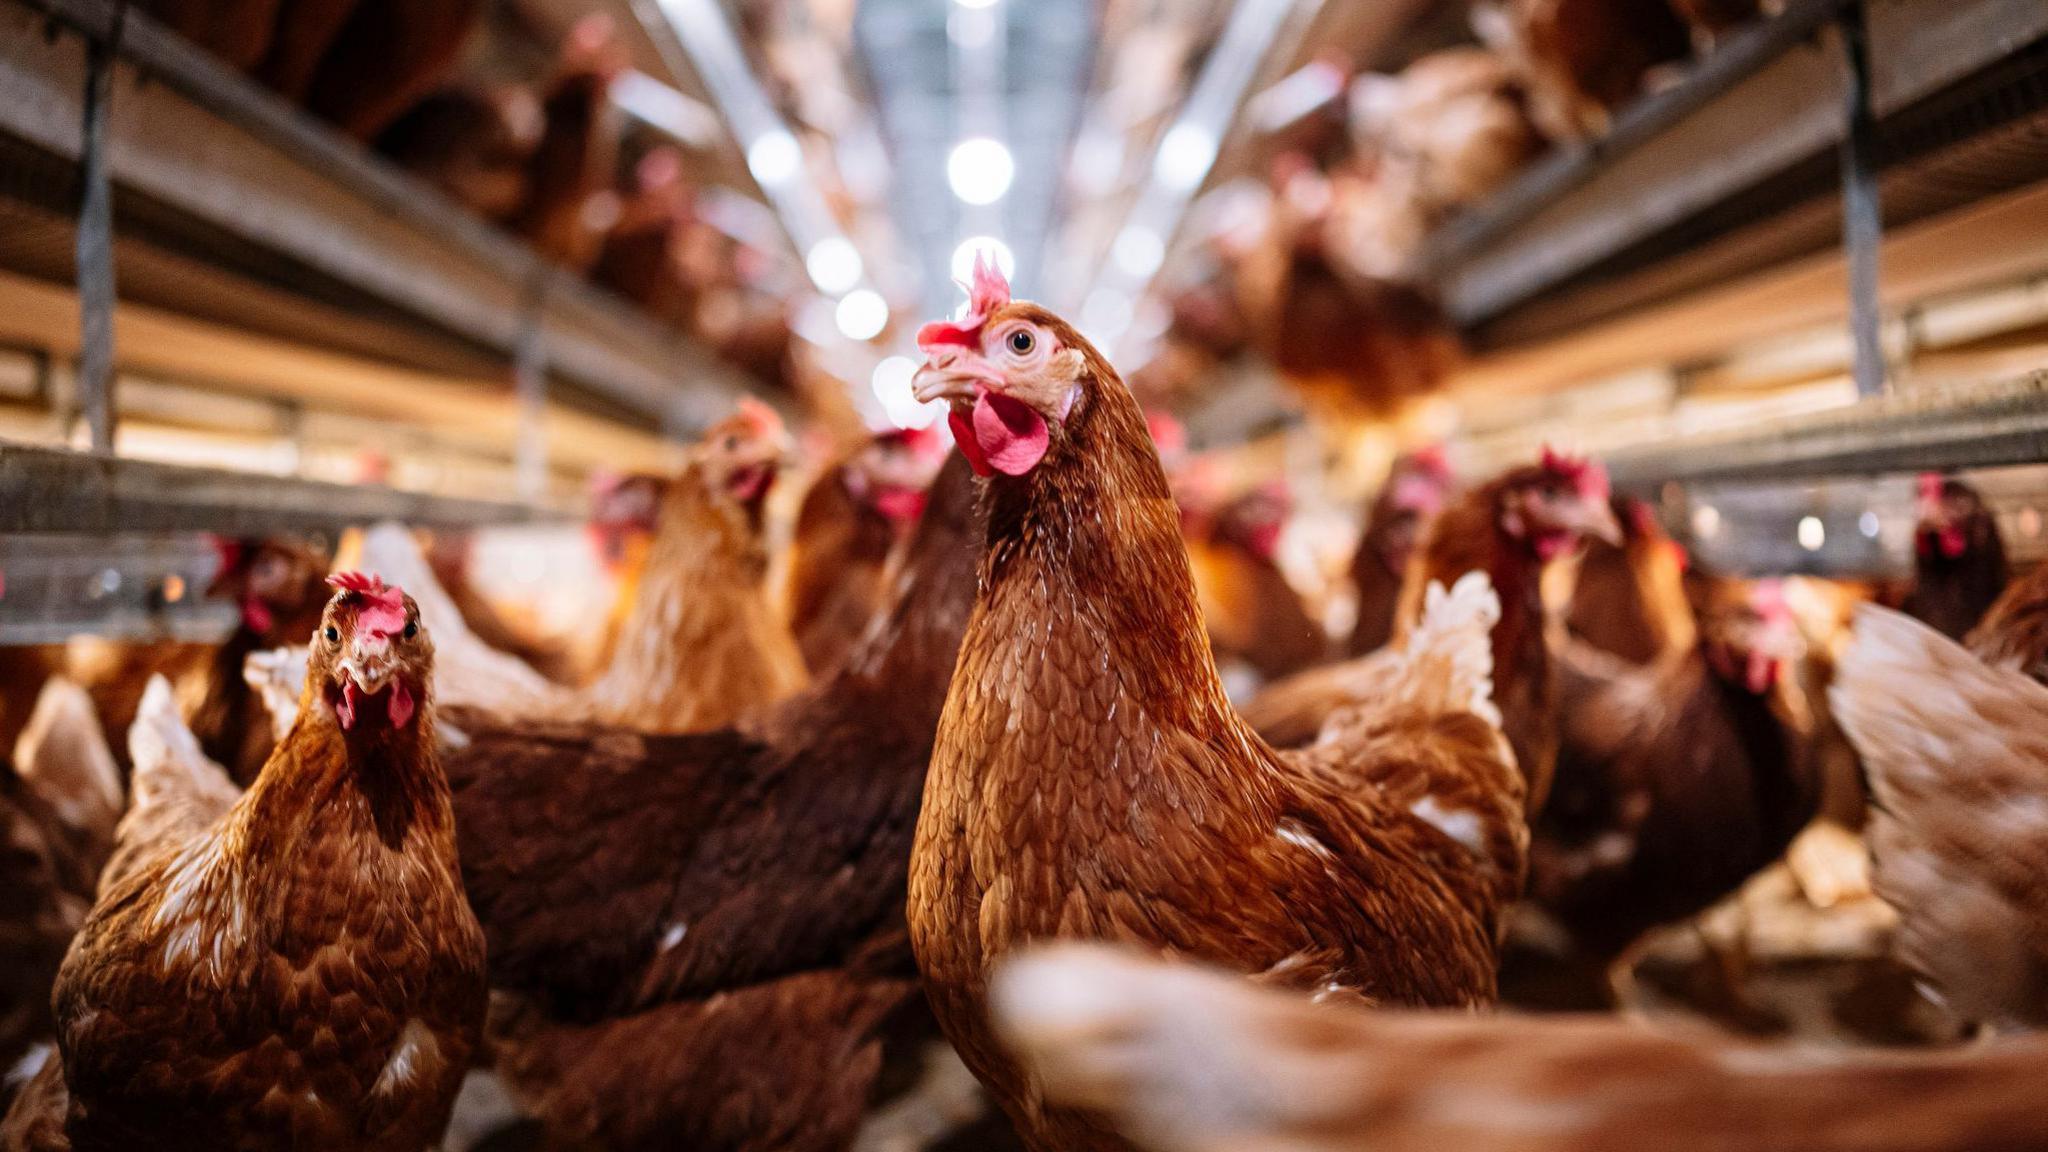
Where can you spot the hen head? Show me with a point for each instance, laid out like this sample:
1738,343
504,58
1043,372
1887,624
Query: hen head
1016,375
273,583
1256,520
893,473
1750,634
372,661
1951,517
1552,506
741,454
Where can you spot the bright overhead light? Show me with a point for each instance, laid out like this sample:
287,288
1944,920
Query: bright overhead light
1706,522
1138,251
975,3
774,158
1812,533
963,257
892,383
980,170
1184,157
862,314
1869,525
972,28
1105,316
834,265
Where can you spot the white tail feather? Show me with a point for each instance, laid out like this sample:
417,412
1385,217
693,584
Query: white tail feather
467,671
169,764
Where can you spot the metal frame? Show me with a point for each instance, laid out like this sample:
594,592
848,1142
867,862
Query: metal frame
59,491
1763,102
1984,425
298,188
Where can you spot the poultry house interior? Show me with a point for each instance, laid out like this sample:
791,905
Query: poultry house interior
1074,576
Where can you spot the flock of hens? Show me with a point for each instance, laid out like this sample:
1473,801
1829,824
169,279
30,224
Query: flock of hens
947,807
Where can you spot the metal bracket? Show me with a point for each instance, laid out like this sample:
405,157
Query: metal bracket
530,385
95,248
1862,210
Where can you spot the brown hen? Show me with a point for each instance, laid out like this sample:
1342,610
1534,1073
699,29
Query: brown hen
1090,779
1191,1061
298,967
701,926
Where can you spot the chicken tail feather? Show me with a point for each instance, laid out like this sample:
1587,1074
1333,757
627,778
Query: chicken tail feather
1957,755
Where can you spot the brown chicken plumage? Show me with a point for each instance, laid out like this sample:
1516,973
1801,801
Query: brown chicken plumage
304,31
1191,1061
279,590
702,644
696,921
473,143
1959,564
1511,528
578,148
60,799
1090,779
1416,489
1956,750
387,56
297,968
2014,631
1253,612
1677,780
1582,60
1629,600
237,31
850,529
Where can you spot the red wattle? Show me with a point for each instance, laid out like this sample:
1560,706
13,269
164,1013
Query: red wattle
345,711
1012,436
963,435
401,705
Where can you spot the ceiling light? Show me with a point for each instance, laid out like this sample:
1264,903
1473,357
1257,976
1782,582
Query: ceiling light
1812,533
972,28
834,265
963,257
774,158
892,384
1706,522
1105,316
1138,251
975,3
1869,525
980,170
862,314
1184,157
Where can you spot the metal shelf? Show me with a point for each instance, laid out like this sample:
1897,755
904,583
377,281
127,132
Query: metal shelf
206,145
1984,425
60,491
1748,136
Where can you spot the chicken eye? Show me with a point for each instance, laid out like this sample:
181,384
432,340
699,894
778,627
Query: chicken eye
1022,342
412,629
333,634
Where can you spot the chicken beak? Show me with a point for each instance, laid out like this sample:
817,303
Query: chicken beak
1595,519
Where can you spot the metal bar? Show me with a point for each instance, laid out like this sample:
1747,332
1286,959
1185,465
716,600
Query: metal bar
325,201
1549,179
95,241
1862,210
1978,426
530,383
54,490
1642,191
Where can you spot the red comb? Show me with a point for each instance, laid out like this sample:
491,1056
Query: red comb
383,607
1168,433
759,418
988,292
232,552
922,442
1431,458
1768,598
1582,472
1931,486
